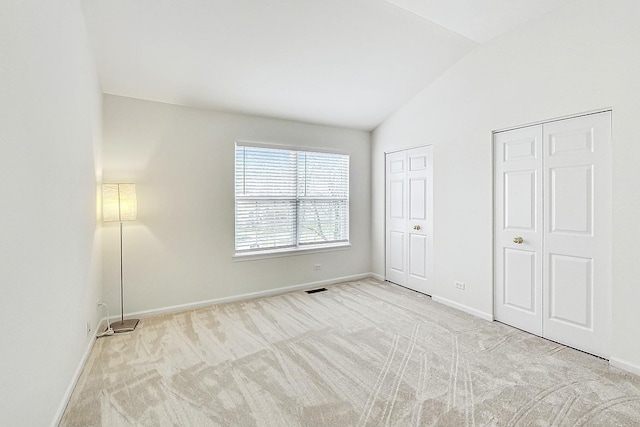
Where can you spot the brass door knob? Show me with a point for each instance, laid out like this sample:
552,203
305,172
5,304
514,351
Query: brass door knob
518,240
416,227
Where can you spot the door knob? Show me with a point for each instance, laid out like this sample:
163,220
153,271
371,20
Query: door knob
518,240
416,227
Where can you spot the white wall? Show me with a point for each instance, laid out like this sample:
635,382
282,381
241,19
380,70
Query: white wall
582,57
50,262
180,251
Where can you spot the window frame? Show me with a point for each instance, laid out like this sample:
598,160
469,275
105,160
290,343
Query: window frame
298,248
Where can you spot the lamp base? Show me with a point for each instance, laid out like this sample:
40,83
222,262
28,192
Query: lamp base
127,326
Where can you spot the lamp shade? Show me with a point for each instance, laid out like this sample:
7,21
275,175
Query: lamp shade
119,202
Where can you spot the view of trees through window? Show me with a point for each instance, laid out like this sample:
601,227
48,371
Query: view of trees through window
290,199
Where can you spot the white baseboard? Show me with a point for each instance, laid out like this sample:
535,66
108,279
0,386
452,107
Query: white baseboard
378,276
462,307
241,297
624,365
74,380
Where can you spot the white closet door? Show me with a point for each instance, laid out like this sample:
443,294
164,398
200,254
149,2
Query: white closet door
396,221
577,232
553,230
420,219
410,219
518,228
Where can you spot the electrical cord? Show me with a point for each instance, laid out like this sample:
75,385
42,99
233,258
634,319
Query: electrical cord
109,330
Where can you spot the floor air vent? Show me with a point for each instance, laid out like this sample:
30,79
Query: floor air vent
313,291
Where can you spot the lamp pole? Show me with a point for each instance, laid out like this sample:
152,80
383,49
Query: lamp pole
121,280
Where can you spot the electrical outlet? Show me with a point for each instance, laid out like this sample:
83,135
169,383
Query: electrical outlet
317,267
88,327
460,285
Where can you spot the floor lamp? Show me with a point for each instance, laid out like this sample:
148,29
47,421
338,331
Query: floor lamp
119,204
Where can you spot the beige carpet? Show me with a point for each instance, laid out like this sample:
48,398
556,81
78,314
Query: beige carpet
361,353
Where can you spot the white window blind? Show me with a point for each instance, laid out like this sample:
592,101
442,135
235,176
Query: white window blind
290,199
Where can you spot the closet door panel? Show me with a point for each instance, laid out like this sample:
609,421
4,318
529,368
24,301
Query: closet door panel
577,233
518,228
409,218
396,218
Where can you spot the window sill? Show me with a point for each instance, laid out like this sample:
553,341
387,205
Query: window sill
279,253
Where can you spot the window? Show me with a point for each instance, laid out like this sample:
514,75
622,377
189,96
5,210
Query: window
289,199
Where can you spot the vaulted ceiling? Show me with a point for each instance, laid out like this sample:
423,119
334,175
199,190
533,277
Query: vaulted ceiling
347,63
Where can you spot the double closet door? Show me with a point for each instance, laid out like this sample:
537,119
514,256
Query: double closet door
409,218
553,230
